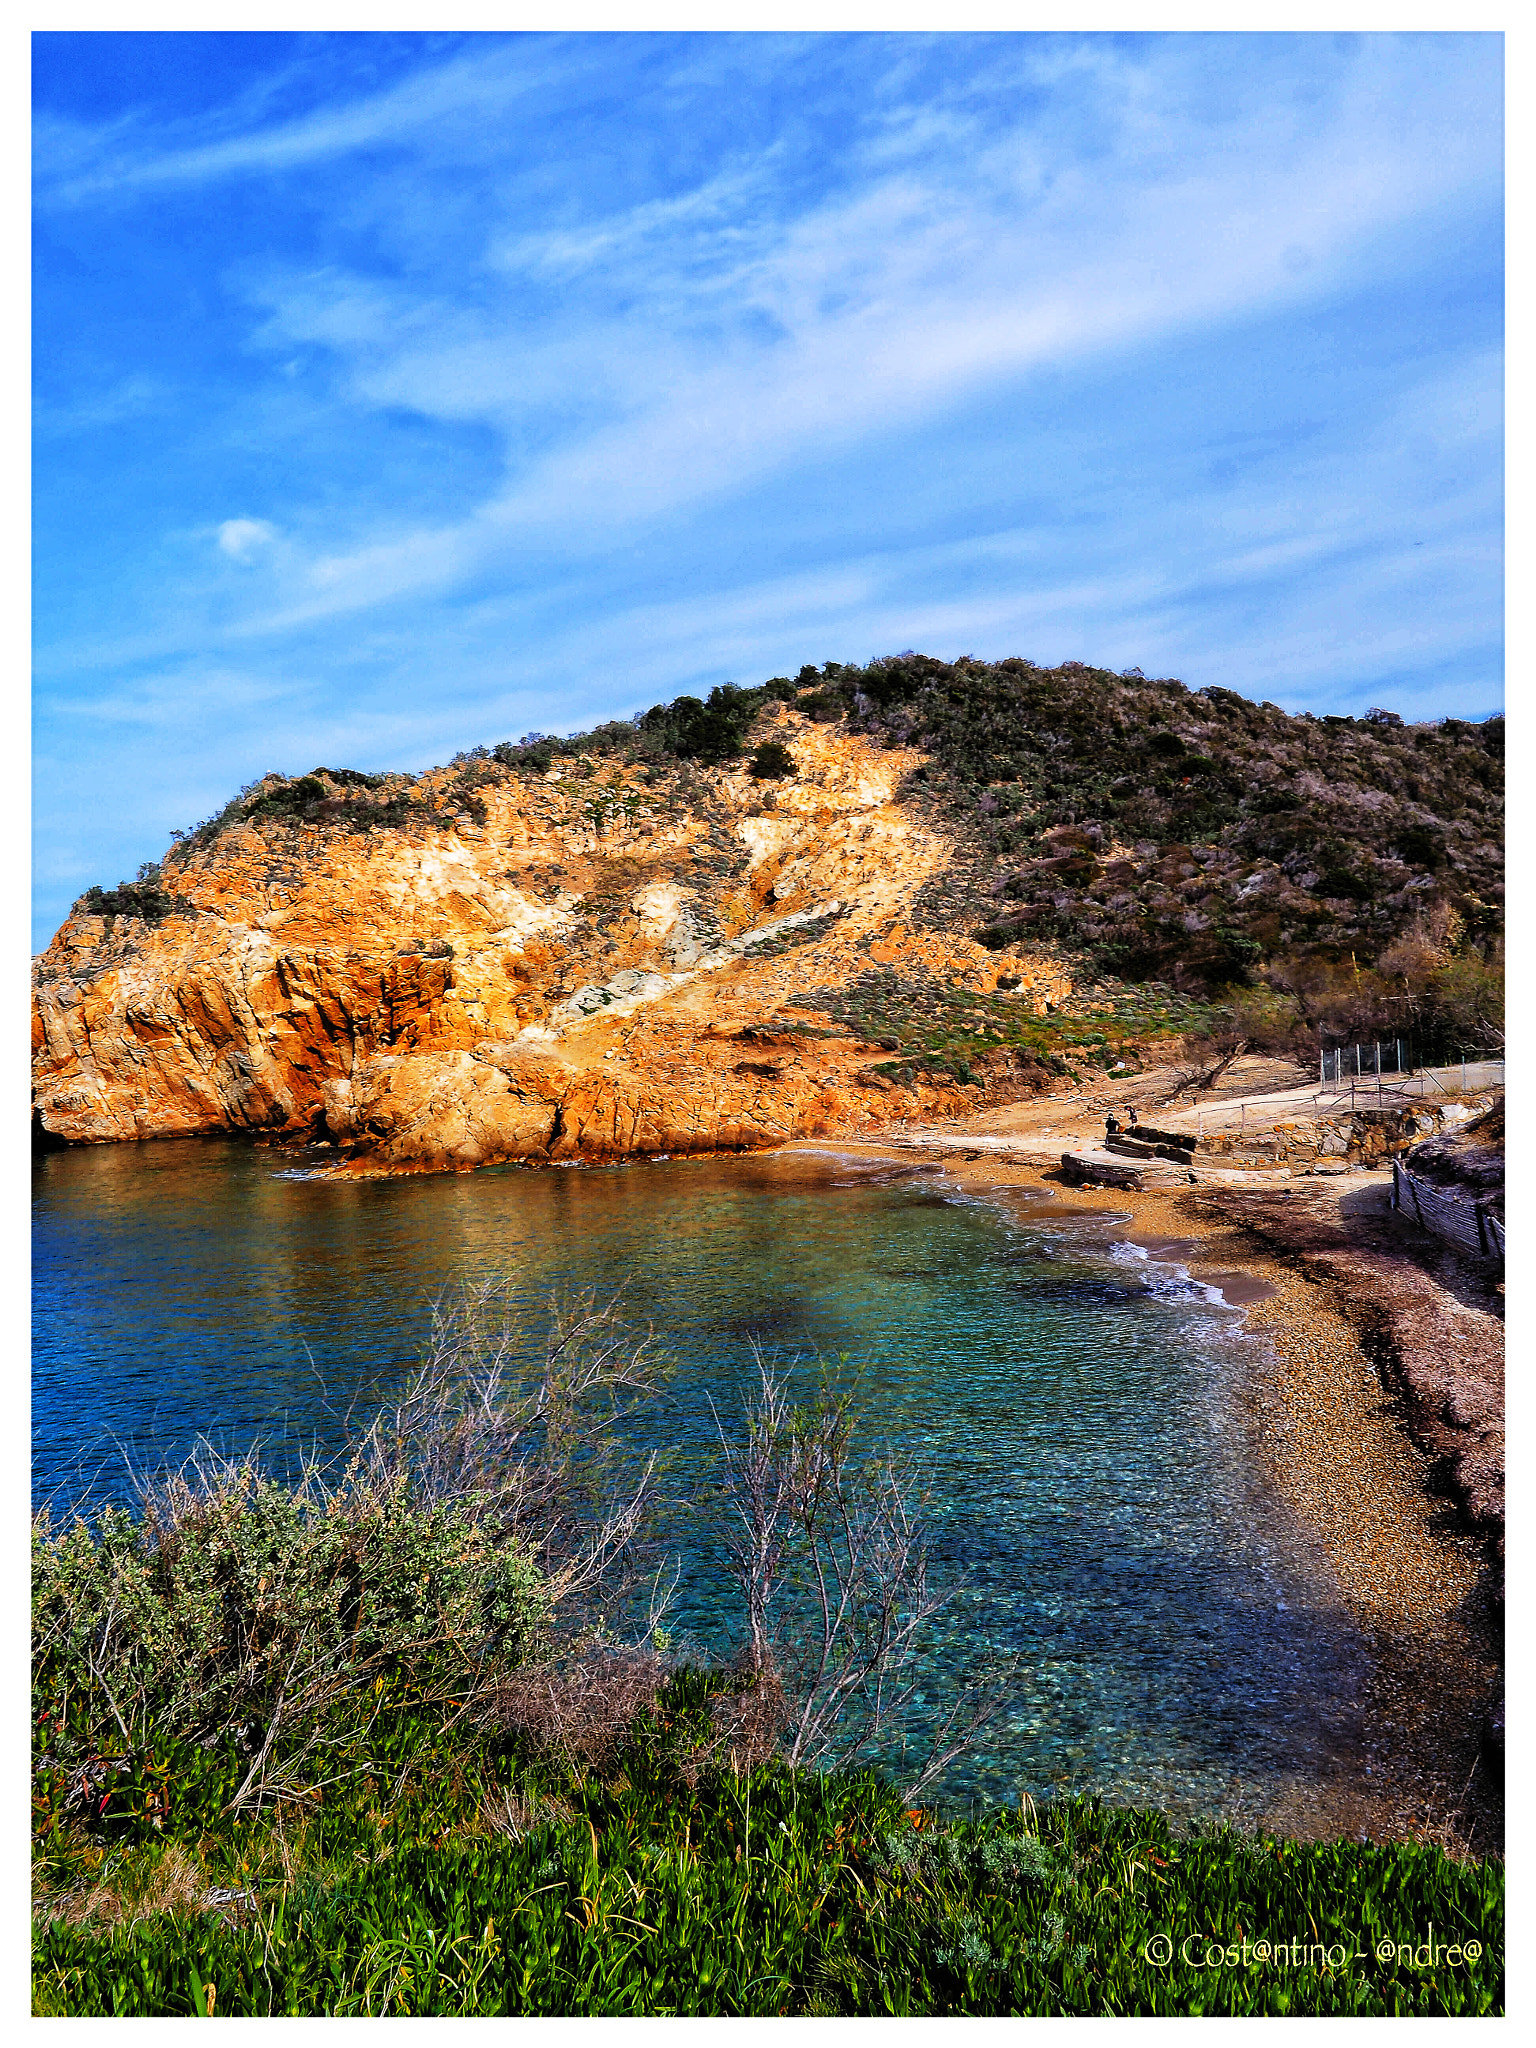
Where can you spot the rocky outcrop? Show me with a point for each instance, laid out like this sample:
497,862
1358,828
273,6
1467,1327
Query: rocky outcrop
583,964
1467,1156
1360,1137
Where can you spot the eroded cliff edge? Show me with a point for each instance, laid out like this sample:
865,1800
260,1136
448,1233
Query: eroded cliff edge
637,940
599,961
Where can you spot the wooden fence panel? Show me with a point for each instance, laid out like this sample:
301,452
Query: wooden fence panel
1457,1218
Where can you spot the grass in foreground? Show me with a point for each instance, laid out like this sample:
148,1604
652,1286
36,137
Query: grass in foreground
440,1873
364,1744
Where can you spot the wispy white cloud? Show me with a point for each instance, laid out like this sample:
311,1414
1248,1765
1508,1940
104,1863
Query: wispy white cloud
243,539
696,227
129,398
712,342
75,164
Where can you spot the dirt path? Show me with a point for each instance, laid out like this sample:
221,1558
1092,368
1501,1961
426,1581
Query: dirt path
1257,1095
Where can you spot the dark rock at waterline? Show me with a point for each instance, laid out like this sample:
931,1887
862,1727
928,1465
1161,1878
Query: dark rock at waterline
1491,1745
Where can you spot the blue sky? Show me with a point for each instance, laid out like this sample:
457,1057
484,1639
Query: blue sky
396,393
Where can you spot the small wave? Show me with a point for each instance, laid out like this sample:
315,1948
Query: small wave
1172,1282
1179,1286
862,1162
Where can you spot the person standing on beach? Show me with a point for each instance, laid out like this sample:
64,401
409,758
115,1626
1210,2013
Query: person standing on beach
1111,1124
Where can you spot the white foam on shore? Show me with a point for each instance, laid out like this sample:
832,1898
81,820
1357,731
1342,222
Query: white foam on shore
1181,1284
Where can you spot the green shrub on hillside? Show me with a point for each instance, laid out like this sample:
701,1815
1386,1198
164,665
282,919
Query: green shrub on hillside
146,897
339,797
709,732
1211,836
771,761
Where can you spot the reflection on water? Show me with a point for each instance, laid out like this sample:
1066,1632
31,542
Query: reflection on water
1077,1411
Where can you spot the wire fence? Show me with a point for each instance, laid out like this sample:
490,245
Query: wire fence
1387,1067
1353,1062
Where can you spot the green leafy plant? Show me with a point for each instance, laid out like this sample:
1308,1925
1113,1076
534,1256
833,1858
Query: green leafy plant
511,1883
771,760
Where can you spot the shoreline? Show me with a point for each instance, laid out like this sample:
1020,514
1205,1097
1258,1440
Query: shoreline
1331,1440
1331,1437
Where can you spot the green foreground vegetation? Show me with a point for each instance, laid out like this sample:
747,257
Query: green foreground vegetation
403,1735
439,1876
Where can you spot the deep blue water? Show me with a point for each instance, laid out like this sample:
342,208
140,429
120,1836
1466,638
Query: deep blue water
1080,1416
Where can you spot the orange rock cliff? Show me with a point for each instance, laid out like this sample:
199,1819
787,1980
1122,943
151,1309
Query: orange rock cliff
601,961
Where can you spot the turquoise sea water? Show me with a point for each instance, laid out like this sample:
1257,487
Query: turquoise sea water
1080,1414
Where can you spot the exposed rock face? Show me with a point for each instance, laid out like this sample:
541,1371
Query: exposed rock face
571,975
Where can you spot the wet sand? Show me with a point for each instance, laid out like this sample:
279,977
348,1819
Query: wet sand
1331,1441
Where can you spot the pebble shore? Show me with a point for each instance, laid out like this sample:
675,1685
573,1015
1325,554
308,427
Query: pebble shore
1337,1454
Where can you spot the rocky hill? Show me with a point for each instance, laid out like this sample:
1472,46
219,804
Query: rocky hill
813,907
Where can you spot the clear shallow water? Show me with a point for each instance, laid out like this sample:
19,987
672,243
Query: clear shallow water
1078,1411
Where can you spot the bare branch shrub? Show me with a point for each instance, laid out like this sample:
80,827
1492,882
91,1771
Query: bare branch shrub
832,1558
487,1507
581,1708
1202,1072
540,1449
514,1813
748,1718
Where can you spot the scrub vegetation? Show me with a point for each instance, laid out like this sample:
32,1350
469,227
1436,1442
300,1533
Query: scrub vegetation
147,897
925,1018
1341,876
405,1734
